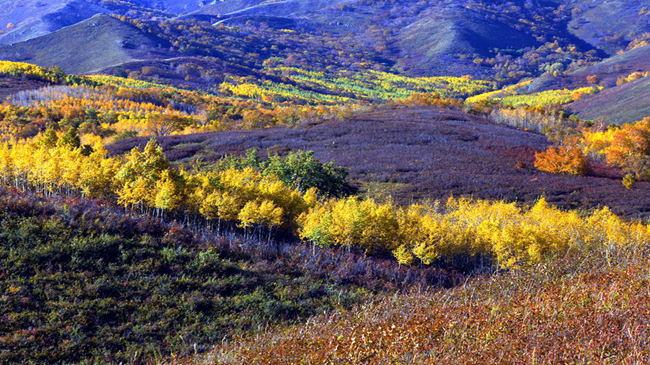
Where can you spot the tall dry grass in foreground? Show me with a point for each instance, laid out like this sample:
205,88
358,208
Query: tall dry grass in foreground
592,311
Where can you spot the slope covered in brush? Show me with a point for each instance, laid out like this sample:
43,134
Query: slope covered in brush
93,44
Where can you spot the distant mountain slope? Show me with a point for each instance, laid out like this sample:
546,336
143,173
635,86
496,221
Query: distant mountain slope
432,43
620,65
616,104
21,20
231,8
171,6
623,104
422,38
609,25
27,19
607,71
91,45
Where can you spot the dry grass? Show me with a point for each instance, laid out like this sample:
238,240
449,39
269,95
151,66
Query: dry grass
595,311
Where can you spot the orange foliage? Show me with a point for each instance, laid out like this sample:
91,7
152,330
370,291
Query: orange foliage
630,148
566,159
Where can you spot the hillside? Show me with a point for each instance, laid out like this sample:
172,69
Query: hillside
555,313
416,154
432,44
421,38
609,25
292,182
623,104
617,103
94,44
24,20
10,85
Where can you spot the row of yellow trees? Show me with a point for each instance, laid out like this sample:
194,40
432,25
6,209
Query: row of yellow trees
420,233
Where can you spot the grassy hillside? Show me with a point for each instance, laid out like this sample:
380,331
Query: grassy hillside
415,154
609,25
421,38
93,44
623,104
428,45
24,20
565,311
85,283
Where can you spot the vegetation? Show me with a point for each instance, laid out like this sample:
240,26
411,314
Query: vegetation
509,96
297,169
346,86
461,247
568,159
145,181
107,105
568,310
84,283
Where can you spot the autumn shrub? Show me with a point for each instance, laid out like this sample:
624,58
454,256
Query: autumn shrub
630,148
631,77
429,99
527,118
629,181
565,159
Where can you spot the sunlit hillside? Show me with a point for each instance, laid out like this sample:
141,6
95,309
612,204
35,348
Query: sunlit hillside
324,182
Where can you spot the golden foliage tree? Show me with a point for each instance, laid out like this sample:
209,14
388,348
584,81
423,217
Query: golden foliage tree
630,149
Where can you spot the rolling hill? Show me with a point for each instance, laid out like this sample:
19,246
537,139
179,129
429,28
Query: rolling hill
324,182
617,103
24,20
431,45
415,154
99,42
609,25
623,104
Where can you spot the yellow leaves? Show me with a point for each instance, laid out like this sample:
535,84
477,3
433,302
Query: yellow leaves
251,198
168,192
264,213
597,142
220,205
509,96
404,255
513,236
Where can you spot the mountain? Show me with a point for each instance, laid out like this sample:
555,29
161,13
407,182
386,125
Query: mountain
24,20
505,40
432,44
422,38
96,43
617,103
609,25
